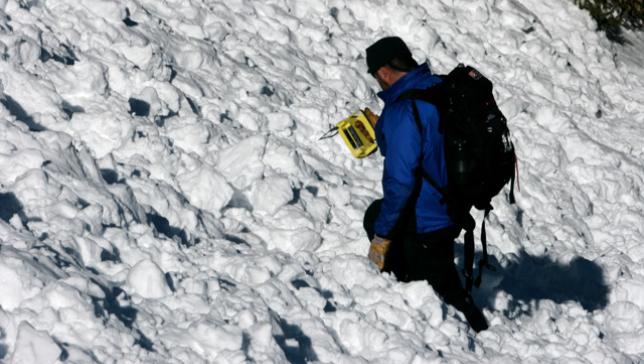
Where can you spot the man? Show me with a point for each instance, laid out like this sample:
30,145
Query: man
411,233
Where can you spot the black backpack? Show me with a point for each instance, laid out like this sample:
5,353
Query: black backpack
479,154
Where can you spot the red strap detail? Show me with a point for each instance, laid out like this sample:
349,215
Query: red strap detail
516,168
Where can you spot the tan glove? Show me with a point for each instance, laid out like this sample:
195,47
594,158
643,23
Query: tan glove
371,116
378,250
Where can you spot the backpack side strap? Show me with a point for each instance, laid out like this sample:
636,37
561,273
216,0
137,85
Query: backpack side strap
483,262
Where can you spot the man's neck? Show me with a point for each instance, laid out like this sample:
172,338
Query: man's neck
398,76
394,78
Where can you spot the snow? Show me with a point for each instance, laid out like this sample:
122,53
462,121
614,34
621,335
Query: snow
147,280
164,196
34,346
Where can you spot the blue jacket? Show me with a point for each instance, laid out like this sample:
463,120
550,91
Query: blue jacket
399,141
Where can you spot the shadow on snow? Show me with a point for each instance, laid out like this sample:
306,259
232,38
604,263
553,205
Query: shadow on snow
293,341
20,113
532,278
10,206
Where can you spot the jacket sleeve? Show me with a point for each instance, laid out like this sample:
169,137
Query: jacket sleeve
401,161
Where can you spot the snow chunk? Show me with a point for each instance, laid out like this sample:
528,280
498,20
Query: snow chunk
206,189
15,286
100,136
270,194
82,82
148,280
110,10
212,339
150,96
625,322
241,164
33,346
192,137
279,121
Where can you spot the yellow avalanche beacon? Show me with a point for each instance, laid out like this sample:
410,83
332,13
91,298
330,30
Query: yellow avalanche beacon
358,132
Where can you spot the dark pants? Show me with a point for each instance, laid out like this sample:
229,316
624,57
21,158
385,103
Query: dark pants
414,256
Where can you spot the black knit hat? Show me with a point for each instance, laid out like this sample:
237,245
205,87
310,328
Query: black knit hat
384,50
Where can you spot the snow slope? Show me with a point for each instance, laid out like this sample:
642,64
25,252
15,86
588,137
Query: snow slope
164,197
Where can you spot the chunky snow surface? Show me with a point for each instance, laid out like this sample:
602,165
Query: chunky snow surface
164,197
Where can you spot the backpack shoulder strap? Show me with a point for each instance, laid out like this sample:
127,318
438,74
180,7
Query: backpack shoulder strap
434,94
